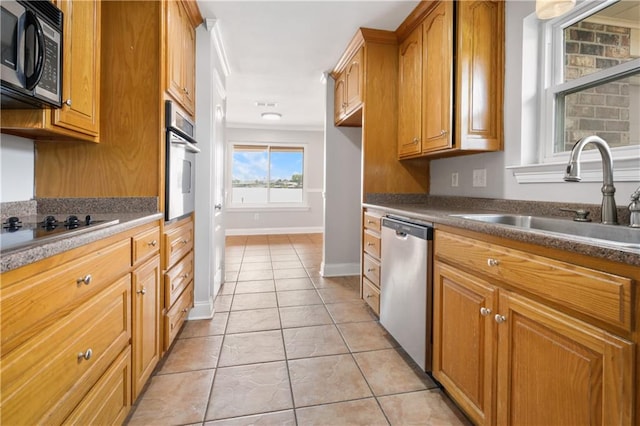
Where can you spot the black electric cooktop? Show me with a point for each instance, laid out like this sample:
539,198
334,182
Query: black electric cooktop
17,234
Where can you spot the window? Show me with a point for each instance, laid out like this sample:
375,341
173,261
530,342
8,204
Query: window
263,175
593,78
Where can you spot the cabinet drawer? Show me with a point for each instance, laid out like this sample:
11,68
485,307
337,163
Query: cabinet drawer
146,244
177,279
109,400
178,242
371,270
372,221
177,315
372,244
371,295
46,378
603,296
31,305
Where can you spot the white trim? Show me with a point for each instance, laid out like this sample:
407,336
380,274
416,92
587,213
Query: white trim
202,310
339,269
267,208
625,170
213,26
232,125
267,231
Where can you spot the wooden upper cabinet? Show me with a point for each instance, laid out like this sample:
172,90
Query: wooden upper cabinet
79,116
455,106
180,55
348,91
410,94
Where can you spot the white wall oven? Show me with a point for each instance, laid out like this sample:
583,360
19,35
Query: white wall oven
180,163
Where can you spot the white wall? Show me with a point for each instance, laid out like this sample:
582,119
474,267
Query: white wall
265,221
343,150
501,182
16,168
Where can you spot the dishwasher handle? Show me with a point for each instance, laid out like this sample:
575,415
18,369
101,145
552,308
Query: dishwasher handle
403,228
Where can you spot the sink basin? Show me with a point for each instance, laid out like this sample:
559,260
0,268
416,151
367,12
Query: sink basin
619,235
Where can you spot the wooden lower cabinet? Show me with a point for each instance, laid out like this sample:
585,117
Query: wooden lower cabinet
146,318
507,359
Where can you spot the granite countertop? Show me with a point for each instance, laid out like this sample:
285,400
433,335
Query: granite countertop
15,258
440,211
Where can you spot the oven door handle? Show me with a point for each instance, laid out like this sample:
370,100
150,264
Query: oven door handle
177,140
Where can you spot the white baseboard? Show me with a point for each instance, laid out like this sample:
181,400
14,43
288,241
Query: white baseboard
273,231
201,310
339,269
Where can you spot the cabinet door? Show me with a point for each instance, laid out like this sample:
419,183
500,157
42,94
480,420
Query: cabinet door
189,67
463,339
339,98
437,78
479,74
353,79
146,322
81,67
410,95
577,372
175,43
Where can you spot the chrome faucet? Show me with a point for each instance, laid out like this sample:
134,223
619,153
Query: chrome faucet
609,210
634,209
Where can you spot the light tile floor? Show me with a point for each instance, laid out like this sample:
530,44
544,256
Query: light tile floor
287,347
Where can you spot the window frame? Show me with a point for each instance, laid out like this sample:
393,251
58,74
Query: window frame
552,84
271,206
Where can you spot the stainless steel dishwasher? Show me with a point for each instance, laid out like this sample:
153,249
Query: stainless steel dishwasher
405,285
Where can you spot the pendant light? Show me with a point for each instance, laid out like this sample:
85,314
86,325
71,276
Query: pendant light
547,9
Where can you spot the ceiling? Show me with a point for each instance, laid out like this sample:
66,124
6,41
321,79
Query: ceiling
278,50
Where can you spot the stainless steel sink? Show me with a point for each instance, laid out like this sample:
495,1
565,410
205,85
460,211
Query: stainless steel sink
618,235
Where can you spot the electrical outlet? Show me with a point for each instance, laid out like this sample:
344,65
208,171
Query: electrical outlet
454,179
480,178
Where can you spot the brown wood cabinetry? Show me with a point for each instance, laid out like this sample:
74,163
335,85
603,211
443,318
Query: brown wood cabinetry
78,339
79,117
147,305
371,58
450,95
348,91
371,258
178,276
180,45
510,348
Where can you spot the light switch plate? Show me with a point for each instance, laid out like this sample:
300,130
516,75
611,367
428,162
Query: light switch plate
454,179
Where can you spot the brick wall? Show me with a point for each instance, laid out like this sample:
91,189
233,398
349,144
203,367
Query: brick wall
602,110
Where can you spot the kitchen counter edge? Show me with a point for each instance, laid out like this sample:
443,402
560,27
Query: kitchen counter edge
15,259
624,255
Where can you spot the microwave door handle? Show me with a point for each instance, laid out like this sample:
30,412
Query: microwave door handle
176,140
32,21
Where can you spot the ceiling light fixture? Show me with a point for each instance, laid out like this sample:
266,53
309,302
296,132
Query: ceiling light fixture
547,9
271,116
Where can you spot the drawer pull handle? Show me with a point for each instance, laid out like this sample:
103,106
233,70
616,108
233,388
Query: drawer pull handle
493,262
500,318
152,243
370,269
485,311
368,296
142,292
184,241
86,355
370,222
185,276
370,244
86,280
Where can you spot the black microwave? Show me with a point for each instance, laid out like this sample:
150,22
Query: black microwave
31,55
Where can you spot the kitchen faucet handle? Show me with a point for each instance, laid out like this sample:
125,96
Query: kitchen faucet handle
581,215
635,196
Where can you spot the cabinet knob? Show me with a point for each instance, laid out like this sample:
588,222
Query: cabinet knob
500,318
485,311
152,243
369,269
86,280
68,102
369,244
218,206
184,241
415,141
85,355
493,262
370,222
443,132
142,292
184,311
368,296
